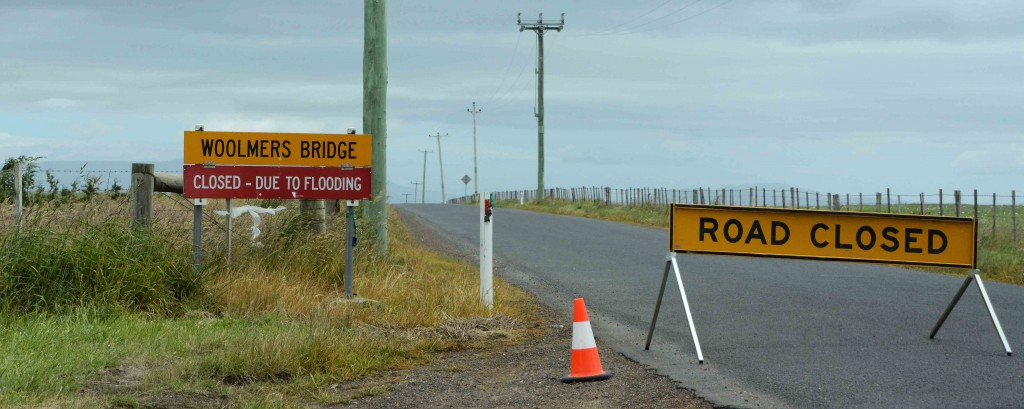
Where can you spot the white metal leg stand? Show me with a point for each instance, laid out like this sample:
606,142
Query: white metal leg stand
974,275
670,262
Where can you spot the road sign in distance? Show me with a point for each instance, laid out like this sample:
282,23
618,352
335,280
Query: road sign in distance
850,236
276,182
277,149
466,179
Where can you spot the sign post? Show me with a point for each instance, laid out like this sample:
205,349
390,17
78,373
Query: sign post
823,235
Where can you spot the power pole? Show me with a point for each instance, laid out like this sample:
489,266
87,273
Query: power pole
440,161
415,190
540,26
375,87
423,195
476,177
406,197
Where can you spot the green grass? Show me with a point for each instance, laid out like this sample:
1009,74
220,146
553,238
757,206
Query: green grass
999,257
97,313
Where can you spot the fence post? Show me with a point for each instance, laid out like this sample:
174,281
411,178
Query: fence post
922,202
878,202
888,201
607,196
993,215
861,195
784,197
764,197
314,213
19,196
975,204
142,193
1013,211
836,205
942,211
956,199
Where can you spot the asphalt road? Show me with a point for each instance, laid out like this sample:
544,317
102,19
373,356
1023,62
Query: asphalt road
775,333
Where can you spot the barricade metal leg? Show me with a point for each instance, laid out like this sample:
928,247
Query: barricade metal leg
686,306
949,309
657,306
975,275
992,313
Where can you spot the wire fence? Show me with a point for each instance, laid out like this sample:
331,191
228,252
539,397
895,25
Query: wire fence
996,212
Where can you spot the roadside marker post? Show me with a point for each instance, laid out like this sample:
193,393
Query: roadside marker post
486,250
823,235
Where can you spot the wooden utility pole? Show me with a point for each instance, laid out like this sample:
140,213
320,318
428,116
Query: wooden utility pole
423,185
415,190
540,26
375,86
440,161
476,177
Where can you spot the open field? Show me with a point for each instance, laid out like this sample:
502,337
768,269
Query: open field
97,313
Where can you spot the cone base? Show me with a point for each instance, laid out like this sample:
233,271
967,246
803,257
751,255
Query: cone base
598,377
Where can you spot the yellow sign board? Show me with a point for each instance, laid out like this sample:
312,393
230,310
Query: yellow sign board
277,149
825,235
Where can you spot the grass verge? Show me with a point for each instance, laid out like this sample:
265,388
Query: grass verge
269,330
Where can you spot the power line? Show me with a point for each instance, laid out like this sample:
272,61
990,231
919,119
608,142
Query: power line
612,28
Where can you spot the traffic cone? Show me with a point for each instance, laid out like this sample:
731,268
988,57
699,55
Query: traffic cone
585,364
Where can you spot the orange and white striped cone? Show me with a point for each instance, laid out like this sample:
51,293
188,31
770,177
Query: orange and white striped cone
585,364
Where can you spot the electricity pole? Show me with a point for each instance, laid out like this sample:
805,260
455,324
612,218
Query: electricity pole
476,177
375,89
440,161
406,197
415,190
423,185
540,26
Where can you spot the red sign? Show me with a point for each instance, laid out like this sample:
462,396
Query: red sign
276,182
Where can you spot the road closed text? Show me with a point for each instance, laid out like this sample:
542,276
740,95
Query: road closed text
271,182
824,235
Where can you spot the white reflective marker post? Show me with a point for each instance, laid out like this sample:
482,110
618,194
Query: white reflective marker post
486,253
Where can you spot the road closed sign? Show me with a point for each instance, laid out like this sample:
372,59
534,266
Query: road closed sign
825,235
277,149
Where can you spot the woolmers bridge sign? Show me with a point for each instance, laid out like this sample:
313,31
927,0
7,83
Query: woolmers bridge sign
277,149
253,165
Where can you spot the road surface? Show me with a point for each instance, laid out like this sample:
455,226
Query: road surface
774,332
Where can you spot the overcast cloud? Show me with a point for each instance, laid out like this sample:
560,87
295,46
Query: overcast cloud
841,96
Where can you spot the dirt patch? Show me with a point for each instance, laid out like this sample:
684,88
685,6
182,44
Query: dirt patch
525,374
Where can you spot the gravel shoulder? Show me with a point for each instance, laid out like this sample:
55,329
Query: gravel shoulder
515,371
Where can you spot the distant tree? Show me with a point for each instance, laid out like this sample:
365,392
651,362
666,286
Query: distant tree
28,177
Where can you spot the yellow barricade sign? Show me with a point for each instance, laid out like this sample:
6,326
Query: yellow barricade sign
277,149
825,235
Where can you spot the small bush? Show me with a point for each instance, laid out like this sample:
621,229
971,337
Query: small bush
108,264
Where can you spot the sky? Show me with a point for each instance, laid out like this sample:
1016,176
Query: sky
830,96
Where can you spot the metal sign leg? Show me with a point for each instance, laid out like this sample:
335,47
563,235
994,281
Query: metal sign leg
657,306
992,313
686,306
949,309
974,276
